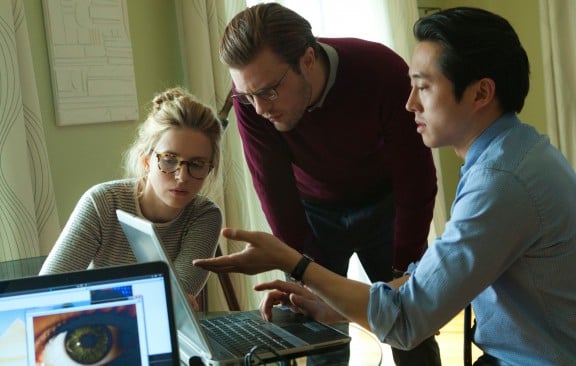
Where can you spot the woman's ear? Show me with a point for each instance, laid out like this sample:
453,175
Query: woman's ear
145,160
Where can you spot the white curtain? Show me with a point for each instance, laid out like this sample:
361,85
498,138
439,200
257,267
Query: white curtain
559,56
28,216
202,24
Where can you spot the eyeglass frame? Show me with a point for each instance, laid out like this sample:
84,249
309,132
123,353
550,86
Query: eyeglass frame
248,98
181,161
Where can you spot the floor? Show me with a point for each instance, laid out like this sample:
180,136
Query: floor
451,342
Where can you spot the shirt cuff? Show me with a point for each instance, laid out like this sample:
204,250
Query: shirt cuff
382,309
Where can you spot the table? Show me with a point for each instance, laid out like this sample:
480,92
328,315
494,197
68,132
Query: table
21,267
365,349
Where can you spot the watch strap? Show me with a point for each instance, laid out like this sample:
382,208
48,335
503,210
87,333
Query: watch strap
298,271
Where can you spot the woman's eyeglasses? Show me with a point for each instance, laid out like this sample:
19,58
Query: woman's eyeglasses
169,163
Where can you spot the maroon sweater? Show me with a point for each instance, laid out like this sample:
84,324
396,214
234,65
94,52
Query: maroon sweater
360,143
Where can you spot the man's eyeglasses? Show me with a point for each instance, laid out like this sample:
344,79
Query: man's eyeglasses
267,94
169,163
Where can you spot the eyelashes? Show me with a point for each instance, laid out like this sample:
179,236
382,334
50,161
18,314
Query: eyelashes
96,337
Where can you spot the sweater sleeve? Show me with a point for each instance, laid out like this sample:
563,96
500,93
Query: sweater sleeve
79,241
269,162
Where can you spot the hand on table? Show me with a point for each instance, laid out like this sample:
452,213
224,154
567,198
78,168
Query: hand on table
298,298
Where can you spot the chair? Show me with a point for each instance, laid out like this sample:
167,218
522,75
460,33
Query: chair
468,336
227,289
225,110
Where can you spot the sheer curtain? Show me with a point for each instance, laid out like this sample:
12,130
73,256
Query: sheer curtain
28,216
559,55
202,24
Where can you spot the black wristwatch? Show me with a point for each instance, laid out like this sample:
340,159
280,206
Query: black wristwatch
298,271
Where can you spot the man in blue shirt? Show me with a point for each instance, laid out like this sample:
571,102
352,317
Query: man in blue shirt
510,245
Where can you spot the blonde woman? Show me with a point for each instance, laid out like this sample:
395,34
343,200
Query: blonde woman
176,149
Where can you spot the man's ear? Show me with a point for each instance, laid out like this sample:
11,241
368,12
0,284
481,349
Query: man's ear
308,59
485,92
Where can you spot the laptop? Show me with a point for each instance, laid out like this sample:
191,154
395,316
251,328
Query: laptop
290,335
115,316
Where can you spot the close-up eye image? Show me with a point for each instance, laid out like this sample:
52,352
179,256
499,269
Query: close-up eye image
107,336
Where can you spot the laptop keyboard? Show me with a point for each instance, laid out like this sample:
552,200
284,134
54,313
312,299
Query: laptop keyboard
240,333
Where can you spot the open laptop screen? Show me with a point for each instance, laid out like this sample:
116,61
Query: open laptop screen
111,316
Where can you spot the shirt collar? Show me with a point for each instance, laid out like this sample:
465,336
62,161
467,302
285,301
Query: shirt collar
332,68
502,124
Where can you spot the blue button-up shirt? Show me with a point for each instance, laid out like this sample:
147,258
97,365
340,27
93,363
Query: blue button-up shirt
509,249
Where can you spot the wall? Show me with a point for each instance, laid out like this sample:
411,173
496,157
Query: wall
81,156
526,24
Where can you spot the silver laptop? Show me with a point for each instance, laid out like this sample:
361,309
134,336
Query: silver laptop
289,336
115,316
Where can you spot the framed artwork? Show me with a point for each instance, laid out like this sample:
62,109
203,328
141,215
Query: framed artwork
91,62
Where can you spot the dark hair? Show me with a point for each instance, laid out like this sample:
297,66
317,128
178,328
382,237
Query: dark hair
272,26
479,44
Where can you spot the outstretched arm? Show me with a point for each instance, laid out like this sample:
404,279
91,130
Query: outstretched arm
265,252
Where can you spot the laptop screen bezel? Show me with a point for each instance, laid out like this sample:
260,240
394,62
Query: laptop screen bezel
22,287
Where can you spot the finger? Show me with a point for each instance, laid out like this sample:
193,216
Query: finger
303,304
252,237
216,268
212,262
317,309
272,299
219,264
237,234
281,286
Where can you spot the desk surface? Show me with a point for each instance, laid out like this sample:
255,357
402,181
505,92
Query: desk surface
21,267
365,349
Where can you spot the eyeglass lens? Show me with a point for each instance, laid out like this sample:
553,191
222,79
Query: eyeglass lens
169,163
267,95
